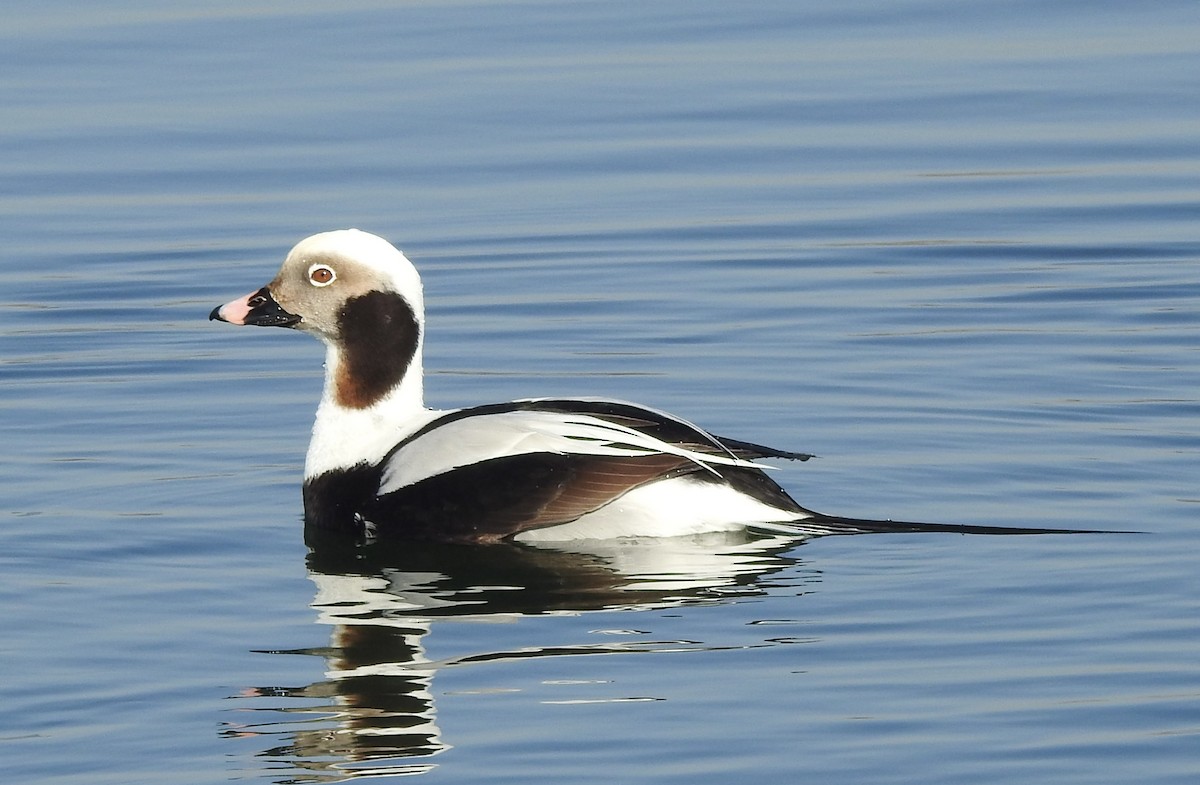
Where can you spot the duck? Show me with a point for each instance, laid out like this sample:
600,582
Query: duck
381,465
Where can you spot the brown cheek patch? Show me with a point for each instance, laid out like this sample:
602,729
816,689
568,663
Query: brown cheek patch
379,334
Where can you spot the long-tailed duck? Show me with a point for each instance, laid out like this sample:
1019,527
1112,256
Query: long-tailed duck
382,465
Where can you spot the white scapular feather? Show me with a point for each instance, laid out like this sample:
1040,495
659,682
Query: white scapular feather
484,437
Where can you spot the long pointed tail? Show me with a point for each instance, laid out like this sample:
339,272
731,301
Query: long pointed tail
820,525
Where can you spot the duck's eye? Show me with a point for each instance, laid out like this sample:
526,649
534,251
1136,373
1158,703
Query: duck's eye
320,275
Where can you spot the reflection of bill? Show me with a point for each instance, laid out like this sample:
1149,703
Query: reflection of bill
373,713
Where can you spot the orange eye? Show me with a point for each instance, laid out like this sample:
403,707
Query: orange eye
320,275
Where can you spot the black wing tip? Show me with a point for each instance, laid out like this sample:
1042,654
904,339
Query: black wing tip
744,449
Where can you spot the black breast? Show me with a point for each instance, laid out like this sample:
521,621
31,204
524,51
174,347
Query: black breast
334,500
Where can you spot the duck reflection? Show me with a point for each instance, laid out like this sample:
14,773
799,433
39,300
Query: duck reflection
374,713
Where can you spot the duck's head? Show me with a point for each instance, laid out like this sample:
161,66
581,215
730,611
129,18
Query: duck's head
357,293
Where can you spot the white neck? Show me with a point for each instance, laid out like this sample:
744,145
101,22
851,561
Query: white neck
343,436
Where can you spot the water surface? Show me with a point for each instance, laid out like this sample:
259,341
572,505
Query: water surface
949,248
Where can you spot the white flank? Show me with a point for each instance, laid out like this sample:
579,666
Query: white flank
677,507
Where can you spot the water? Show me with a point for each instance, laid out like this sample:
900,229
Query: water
950,248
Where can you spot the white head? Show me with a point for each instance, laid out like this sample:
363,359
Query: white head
362,298
324,272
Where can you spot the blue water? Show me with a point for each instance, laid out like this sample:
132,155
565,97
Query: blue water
949,247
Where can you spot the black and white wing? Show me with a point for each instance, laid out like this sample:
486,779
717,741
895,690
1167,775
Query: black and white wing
491,472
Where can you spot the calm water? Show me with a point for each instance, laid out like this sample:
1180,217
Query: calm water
951,248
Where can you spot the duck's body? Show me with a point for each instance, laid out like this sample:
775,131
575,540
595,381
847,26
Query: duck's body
551,469
381,464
